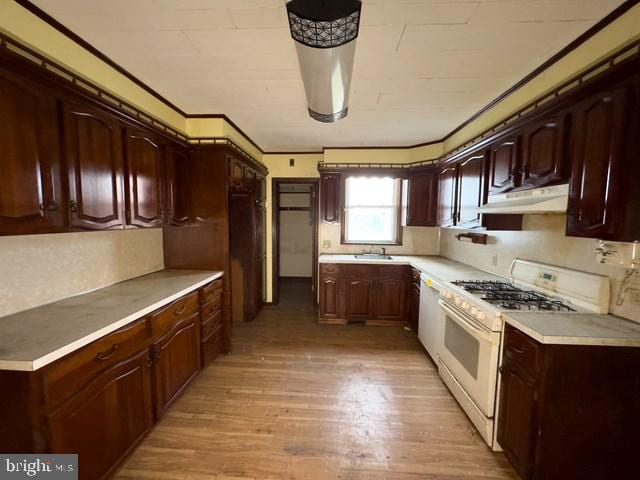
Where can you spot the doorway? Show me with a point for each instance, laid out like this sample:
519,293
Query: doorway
295,240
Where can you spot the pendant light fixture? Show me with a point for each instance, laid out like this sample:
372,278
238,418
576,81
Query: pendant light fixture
325,33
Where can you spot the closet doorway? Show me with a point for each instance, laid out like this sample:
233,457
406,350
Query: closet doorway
295,240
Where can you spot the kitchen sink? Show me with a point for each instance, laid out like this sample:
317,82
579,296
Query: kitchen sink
373,256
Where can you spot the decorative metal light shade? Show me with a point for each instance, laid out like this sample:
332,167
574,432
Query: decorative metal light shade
325,32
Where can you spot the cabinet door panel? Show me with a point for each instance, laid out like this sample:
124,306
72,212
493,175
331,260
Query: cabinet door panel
145,162
517,426
471,190
504,166
176,362
106,419
178,186
330,186
93,148
447,196
30,191
598,147
390,299
422,199
329,297
359,298
545,152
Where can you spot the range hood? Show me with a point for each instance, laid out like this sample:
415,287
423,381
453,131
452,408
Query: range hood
538,200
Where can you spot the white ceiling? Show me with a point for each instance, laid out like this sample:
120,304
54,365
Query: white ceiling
422,66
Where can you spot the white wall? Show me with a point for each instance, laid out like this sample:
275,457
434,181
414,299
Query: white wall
296,244
40,269
543,239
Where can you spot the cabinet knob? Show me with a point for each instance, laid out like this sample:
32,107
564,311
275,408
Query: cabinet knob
73,206
49,206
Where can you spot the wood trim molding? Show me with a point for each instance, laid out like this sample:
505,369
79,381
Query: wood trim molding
48,19
275,231
614,15
599,26
625,59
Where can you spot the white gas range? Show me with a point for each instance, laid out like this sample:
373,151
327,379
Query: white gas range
471,333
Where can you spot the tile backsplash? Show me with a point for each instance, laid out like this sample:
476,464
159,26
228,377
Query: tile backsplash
415,241
40,269
543,240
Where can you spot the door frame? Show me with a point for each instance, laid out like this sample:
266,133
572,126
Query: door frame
275,233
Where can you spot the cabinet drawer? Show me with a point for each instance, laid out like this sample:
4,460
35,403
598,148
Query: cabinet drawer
211,308
329,268
523,350
212,346
210,291
68,375
210,324
164,319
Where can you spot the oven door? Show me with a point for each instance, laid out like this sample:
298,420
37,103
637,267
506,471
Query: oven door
470,352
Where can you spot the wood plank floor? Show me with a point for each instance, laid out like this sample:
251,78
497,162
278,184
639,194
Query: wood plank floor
298,400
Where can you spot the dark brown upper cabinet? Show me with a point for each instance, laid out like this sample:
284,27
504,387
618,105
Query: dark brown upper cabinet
504,165
472,190
422,204
178,186
145,179
330,186
604,197
30,183
95,167
447,184
545,151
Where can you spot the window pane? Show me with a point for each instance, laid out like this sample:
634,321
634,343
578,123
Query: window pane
371,224
362,191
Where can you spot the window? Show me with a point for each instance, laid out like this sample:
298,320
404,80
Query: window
372,211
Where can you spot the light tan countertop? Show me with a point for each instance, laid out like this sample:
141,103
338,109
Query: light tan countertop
576,328
34,338
552,328
439,268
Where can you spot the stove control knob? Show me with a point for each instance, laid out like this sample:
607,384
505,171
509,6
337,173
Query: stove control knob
458,300
474,311
447,294
481,316
465,305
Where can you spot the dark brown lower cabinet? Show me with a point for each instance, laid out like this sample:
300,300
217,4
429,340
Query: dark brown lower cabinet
105,420
211,323
99,401
413,300
569,411
176,360
374,294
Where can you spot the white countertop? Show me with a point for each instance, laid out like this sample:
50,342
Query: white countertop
576,328
553,327
34,338
440,268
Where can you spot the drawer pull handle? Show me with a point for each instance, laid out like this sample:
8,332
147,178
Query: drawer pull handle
180,310
518,349
108,353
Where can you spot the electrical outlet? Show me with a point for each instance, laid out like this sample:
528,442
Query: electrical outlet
494,260
326,244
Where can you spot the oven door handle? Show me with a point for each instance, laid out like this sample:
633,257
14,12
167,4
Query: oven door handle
468,326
